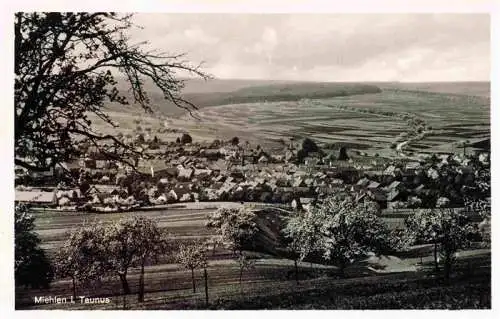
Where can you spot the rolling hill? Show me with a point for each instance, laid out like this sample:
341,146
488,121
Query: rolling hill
223,92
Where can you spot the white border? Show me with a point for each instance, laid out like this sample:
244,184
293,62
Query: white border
247,6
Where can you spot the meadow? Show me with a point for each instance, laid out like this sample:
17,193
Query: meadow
384,282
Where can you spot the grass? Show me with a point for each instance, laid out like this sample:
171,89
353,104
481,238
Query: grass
270,284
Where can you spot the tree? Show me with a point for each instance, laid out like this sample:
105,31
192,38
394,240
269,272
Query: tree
32,268
140,139
343,154
83,256
68,66
483,209
293,248
235,140
186,139
134,242
234,227
301,237
301,155
244,263
344,231
237,229
309,146
192,257
444,227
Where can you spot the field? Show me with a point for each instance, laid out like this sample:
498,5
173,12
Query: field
453,118
384,282
454,114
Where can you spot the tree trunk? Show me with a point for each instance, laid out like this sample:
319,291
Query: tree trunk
206,285
447,266
342,266
296,271
74,288
435,257
140,296
241,276
192,279
125,286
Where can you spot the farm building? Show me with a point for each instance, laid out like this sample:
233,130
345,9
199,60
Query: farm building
36,197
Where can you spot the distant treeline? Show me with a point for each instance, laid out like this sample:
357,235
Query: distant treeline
281,92
255,94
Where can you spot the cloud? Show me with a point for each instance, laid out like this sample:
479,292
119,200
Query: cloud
197,35
266,46
328,47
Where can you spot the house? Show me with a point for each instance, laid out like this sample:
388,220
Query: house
306,200
302,191
360,196
237,174
187,197
394,195
249,159
104,191
42,174
185,173
326,190
412,167
311,161
101,164
396,185
290,156
172,196
377,195
89,163
309,182
220,166
181,188
363,182
202,173
432,173
263,159
277,158
419,189
72,194
484,158
298,182
389,171
296,204
373,185
336,181
72,166
219,178
36,197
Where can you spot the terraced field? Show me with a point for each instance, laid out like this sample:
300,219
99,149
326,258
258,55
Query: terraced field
453,118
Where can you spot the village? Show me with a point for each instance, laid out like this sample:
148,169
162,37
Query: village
297,174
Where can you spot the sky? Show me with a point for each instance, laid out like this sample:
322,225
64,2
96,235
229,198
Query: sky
326,47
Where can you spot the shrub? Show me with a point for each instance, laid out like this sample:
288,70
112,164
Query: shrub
235,140
309,146
186,139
